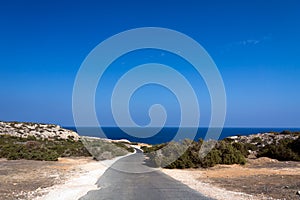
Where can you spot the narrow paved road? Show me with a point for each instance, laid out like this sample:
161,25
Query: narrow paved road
130,179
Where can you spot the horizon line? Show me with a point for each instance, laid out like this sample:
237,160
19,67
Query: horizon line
185,127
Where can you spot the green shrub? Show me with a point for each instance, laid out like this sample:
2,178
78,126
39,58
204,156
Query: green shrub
213,158
32,148
187,154
229,154
12,156
256,140
295,146
286,132
283,150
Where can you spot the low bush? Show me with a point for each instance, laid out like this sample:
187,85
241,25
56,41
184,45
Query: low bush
283,150
188,154
32,148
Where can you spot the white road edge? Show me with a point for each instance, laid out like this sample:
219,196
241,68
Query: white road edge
79,185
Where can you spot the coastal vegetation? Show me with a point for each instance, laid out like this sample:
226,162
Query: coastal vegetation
19,140
283,150
32,148
222,153
284,146
35,141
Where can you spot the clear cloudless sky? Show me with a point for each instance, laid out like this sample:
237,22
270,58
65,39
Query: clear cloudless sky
255,44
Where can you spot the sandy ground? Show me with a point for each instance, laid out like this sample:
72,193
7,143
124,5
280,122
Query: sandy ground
79,183
68,178
262,178
20,178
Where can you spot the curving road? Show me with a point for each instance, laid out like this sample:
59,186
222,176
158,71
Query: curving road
129,179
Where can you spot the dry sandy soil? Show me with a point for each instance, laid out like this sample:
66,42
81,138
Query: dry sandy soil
261,178
67,179
24,179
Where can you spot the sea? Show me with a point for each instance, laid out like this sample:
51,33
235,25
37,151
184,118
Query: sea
168,134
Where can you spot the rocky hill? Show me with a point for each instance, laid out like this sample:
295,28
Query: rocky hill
283,146
40,131
263,139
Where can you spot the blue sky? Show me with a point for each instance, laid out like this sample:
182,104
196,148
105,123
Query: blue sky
255,44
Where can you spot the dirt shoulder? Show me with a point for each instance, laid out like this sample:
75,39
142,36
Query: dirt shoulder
261,178
19,179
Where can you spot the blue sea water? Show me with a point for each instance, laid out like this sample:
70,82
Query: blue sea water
167,134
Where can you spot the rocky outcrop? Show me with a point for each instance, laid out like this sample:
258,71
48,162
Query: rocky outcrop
41,131
263,139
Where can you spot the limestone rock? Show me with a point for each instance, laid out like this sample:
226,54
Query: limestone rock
41,131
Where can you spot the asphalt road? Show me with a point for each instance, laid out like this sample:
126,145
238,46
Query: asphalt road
130,179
